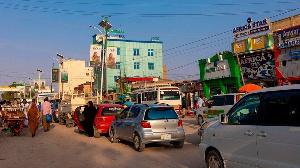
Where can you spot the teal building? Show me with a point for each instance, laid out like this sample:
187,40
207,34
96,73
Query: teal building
129,58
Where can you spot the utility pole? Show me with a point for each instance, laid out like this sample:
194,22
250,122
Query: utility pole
39,71
60,62
106,26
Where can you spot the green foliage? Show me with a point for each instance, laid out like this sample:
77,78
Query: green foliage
8,96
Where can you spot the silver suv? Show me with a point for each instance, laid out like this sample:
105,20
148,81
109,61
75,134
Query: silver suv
148,123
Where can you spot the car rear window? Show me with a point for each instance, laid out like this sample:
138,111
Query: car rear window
111,110
158,113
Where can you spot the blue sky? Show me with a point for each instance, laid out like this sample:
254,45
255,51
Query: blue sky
31,31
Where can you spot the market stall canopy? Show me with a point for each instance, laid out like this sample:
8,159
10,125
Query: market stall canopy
248,88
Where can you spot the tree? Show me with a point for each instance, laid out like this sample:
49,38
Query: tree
8,96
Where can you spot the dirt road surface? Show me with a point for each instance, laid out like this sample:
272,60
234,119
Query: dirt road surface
66,147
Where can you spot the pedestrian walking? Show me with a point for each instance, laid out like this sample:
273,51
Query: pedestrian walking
33,117
25,105
40,111
200,101
46,109
89,114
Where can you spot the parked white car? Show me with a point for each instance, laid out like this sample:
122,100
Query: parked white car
217,104
260,130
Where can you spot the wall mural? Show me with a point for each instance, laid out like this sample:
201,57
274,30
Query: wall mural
260,65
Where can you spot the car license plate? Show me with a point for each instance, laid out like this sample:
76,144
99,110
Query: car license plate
165,136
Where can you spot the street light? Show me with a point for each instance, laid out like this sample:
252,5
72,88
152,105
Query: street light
30,79
60,62
102,65
106,26
39,71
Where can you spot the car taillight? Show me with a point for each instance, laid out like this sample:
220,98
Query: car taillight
180,123
237,97
145,124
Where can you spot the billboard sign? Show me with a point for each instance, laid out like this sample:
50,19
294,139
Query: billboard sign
288,37
42,82
259,65
64,75
54,75
95,55
251,28
111,57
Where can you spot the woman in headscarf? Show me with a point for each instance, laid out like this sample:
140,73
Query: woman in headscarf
89,114
33,117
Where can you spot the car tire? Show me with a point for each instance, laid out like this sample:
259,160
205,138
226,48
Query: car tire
112,136
214,159
96,133
178,144
200,119
68,125
61,122
137,143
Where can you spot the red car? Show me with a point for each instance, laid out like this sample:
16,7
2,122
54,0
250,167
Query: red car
105,116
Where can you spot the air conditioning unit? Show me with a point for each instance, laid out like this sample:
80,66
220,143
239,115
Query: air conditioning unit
208,60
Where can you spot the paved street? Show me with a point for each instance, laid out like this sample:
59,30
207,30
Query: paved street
66,147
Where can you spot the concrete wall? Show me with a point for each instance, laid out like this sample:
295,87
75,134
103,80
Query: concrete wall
285,23
77,74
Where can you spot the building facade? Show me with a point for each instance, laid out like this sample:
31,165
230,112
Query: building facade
257,60
129,58
77,74
219,74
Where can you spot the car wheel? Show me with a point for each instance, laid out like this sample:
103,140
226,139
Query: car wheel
61,122
178,144
96,133
200,119
137,143
112,136
68,125
214,160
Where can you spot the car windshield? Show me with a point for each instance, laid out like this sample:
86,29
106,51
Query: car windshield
111,110
156,113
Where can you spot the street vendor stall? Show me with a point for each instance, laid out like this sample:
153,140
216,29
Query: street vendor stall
13,119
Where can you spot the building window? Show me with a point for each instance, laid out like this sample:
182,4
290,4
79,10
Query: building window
136,51
117,65
116,78
150,52
136,65
151,66
87,74
118,51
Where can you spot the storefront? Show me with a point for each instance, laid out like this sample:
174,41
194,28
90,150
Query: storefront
219,75
257,61
287,56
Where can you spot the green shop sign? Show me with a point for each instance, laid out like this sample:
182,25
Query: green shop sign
116,31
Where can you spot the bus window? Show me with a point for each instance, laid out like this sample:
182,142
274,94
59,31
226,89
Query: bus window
169,95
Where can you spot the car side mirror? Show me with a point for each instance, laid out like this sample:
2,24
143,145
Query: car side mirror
223,118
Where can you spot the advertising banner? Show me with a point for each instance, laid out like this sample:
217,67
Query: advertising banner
111,57
95,55
239,46
64,75
260,65
288,37
251,28
54,75
42,82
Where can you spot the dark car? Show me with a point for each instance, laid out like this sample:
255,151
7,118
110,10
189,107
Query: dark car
105,116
